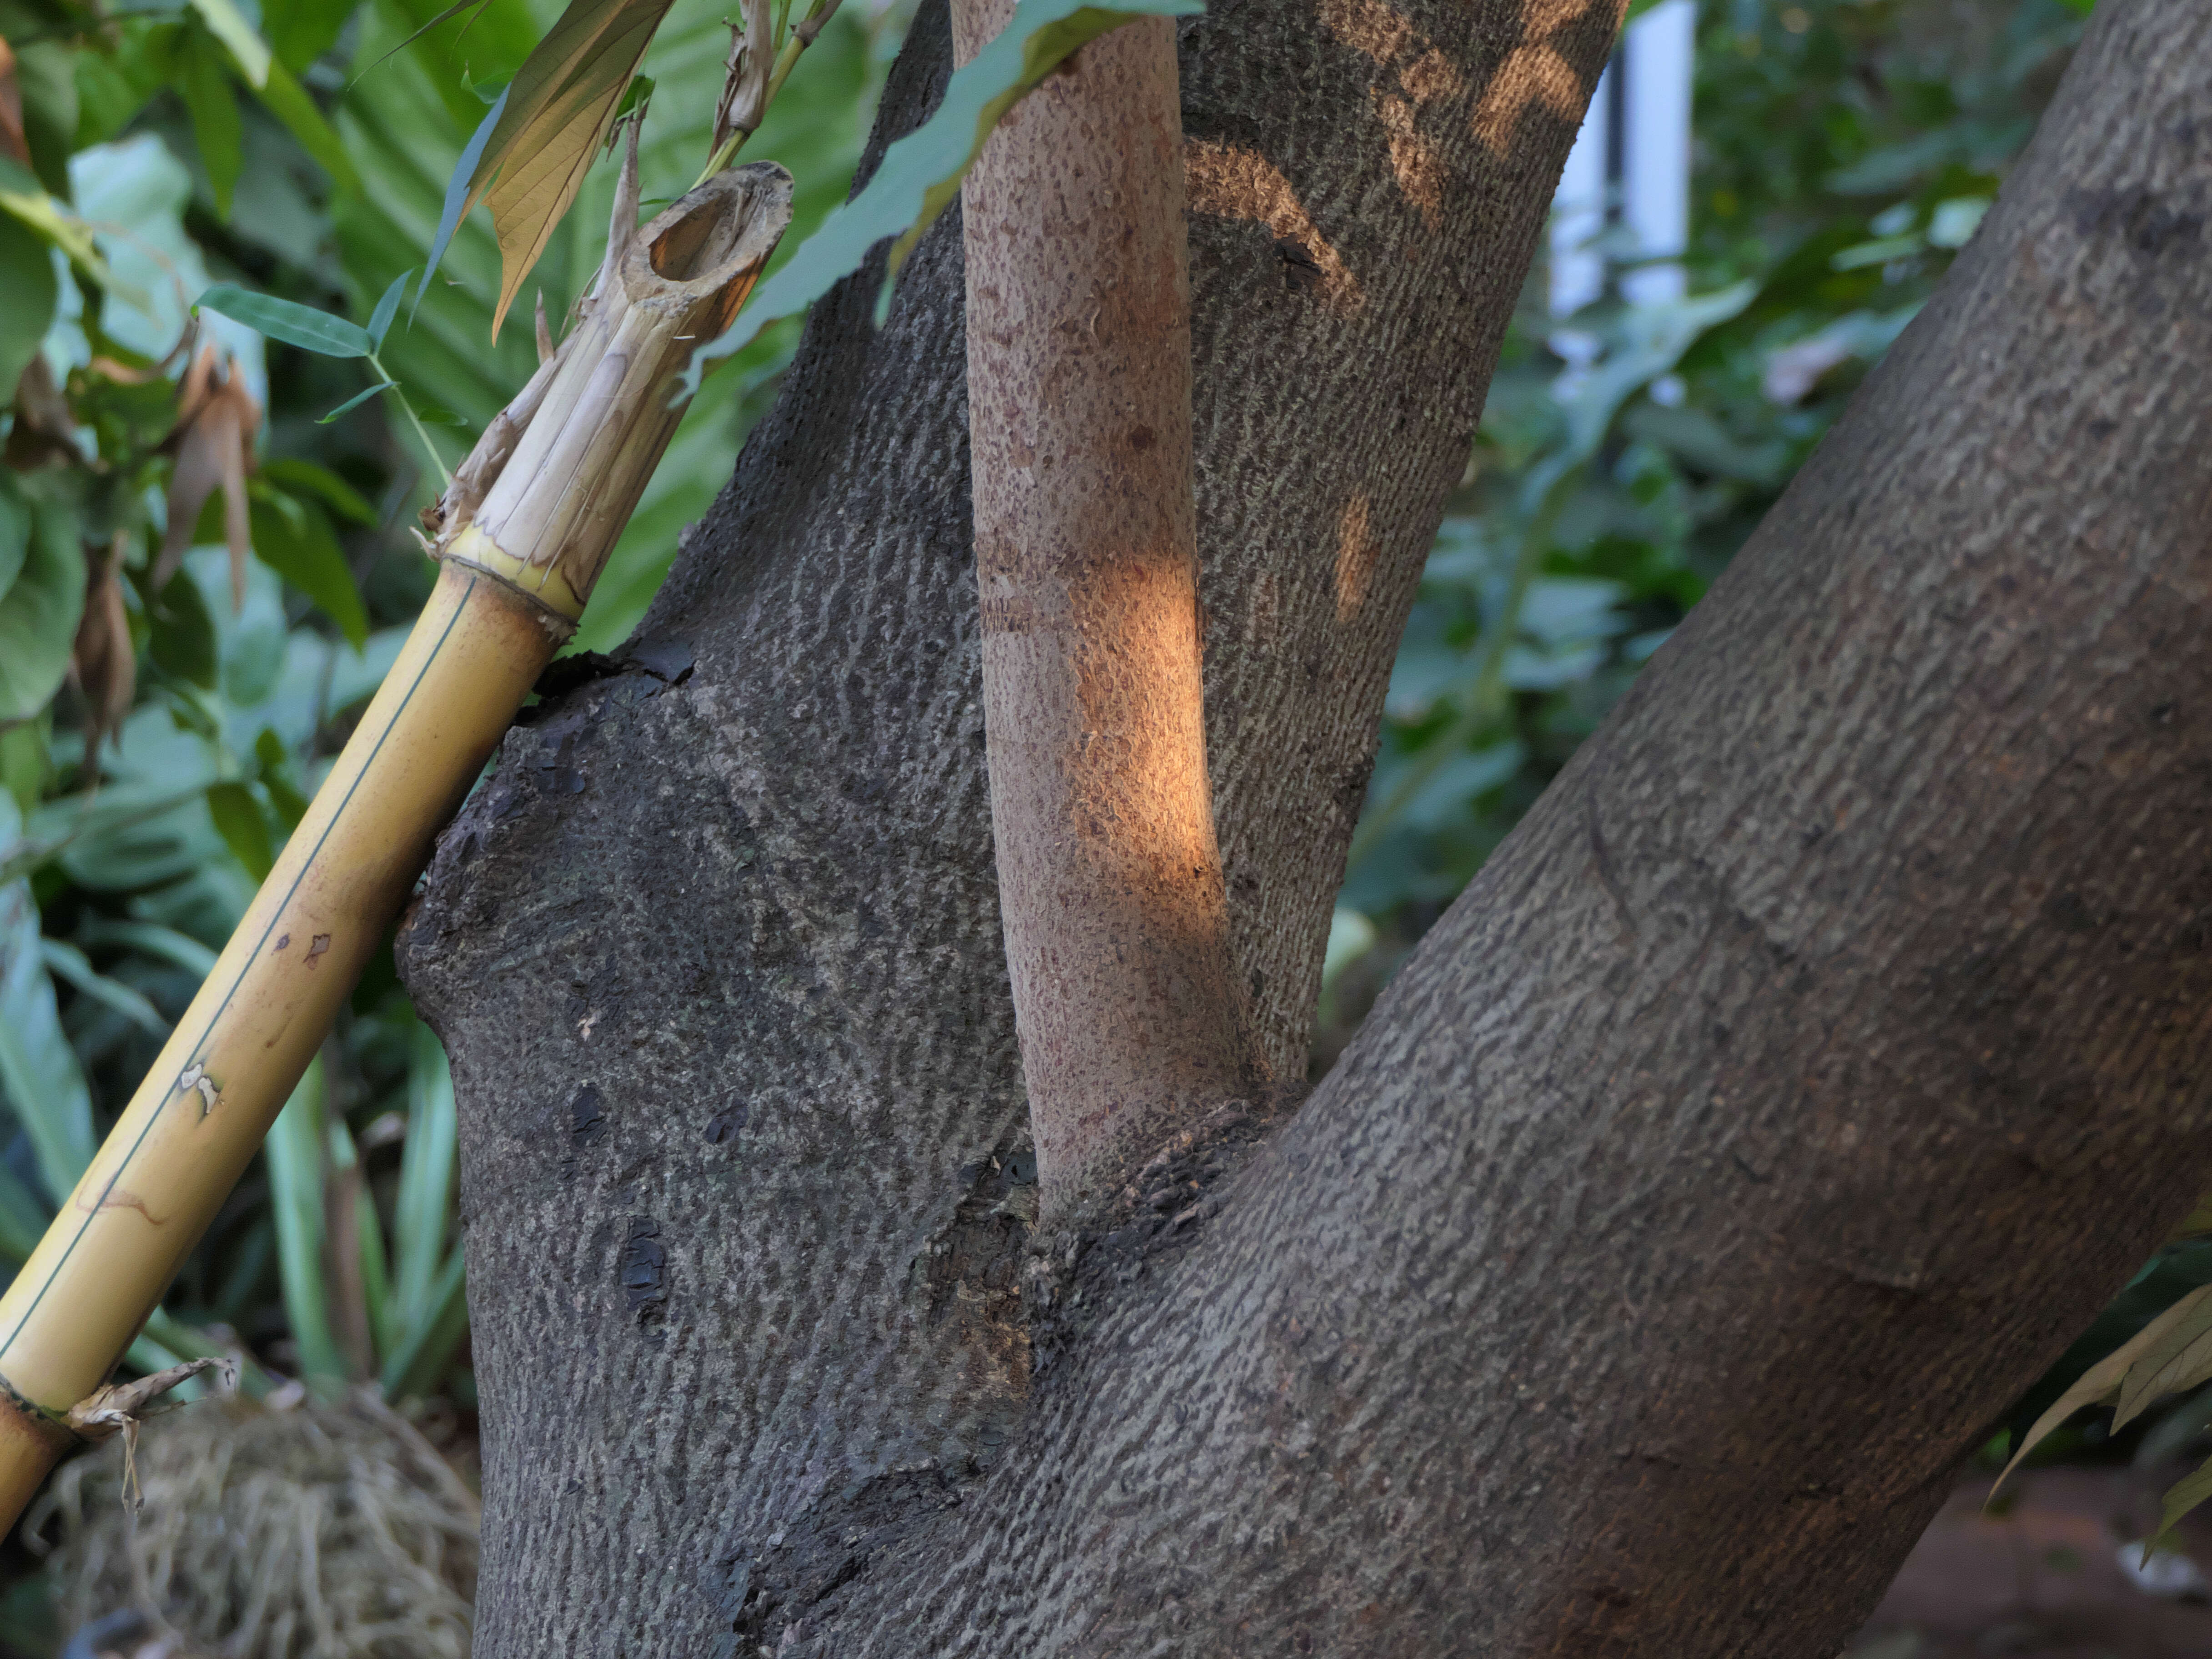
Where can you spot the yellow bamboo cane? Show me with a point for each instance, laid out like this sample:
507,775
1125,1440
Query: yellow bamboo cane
523,534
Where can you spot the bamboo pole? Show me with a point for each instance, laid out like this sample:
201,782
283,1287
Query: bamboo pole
523,534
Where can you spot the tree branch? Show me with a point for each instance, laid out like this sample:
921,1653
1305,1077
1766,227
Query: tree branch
1079,412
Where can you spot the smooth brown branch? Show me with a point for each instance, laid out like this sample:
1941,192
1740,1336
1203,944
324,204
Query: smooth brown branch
1131,1018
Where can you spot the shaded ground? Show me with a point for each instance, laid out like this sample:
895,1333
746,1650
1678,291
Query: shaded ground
2047,1579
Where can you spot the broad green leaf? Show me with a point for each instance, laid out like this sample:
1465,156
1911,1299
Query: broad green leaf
228,25
38,618
275,763
554,116
2180,1359
293,539
295,324
380,320
183,639
18,523
2103,1377
45,76
301,31
299,478
287,100
27,304
238,820
459,195
920,174
204,85
70,964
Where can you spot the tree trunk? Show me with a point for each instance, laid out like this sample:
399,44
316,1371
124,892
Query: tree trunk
1822,1050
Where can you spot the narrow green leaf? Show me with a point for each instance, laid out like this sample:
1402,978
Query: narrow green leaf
379,321
228,25
426,1349
22,1218
289,102
65,960
423,1209
2180,1359
184,639
299,477
920,174
39,1071
445,16
293,539
204,85
163,943
2103,1377
294,1154
295,324
27,291
238,820
2183,1496
37,621
459,197
275,768
356,401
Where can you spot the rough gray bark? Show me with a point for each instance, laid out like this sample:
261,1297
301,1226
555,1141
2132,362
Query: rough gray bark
717,952
1826,1045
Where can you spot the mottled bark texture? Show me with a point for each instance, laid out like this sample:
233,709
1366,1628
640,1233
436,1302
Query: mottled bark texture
1130,1018
1826,1045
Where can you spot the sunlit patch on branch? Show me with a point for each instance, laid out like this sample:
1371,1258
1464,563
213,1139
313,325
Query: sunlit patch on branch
1229,183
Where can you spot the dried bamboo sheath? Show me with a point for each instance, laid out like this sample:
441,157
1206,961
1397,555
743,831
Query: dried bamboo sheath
523,535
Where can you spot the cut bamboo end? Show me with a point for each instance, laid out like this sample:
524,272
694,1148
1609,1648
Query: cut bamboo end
552,505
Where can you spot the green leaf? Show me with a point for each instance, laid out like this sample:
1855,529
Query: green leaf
554,116
228,25
45,76
356,401
293,539
423,1210
2183,1496
183,639
39,1071
2103,1377
294,1154
295,324
238,820
2180,1359
70,964
204,85
22,1217
26,302
301,31
920,174
303,478
40,614
379,321
153,939
459,194
275,763
432,415
287,100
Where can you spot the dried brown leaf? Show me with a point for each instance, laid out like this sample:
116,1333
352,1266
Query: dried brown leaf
213,443
102,661
559,108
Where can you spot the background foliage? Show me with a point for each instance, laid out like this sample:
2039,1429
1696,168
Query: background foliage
1845,150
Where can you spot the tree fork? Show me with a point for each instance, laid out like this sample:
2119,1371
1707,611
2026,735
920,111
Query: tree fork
1116,921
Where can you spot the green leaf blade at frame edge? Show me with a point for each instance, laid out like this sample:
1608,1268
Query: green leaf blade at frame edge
919,174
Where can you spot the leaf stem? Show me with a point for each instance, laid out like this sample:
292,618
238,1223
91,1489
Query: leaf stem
422,437
786,60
